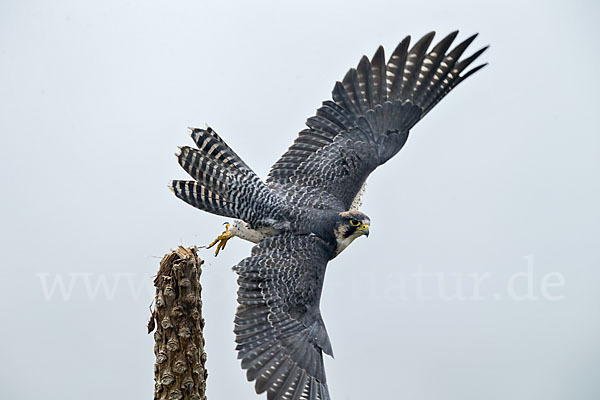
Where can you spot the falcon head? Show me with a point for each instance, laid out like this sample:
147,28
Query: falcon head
349,226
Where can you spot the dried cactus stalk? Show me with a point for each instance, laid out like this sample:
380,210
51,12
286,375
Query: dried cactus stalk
179,371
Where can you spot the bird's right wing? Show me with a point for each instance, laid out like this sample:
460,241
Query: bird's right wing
279,331
368,121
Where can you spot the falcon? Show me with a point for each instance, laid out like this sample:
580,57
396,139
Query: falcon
306,212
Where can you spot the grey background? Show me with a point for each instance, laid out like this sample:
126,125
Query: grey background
502,176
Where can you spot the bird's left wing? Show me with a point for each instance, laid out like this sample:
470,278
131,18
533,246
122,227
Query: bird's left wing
368,121
279,331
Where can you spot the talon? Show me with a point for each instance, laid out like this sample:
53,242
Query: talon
221,240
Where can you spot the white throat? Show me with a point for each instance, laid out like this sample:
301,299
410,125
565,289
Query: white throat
345,242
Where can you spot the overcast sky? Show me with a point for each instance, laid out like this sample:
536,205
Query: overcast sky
479,279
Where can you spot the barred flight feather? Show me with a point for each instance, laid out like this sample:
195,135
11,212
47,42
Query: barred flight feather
412,76
278,340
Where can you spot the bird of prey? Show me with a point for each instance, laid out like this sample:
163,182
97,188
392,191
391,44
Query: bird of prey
305,213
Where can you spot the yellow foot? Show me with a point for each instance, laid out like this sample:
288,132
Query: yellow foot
221,240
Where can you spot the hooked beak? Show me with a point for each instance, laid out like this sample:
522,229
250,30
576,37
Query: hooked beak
364,229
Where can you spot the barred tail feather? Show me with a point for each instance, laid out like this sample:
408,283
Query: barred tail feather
200,197
224,184
209,142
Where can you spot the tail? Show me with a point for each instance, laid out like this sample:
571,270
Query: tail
224,184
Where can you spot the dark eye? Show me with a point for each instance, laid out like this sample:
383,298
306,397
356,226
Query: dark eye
354,222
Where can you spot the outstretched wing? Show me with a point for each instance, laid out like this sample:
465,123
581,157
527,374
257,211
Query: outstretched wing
368,121
279,331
